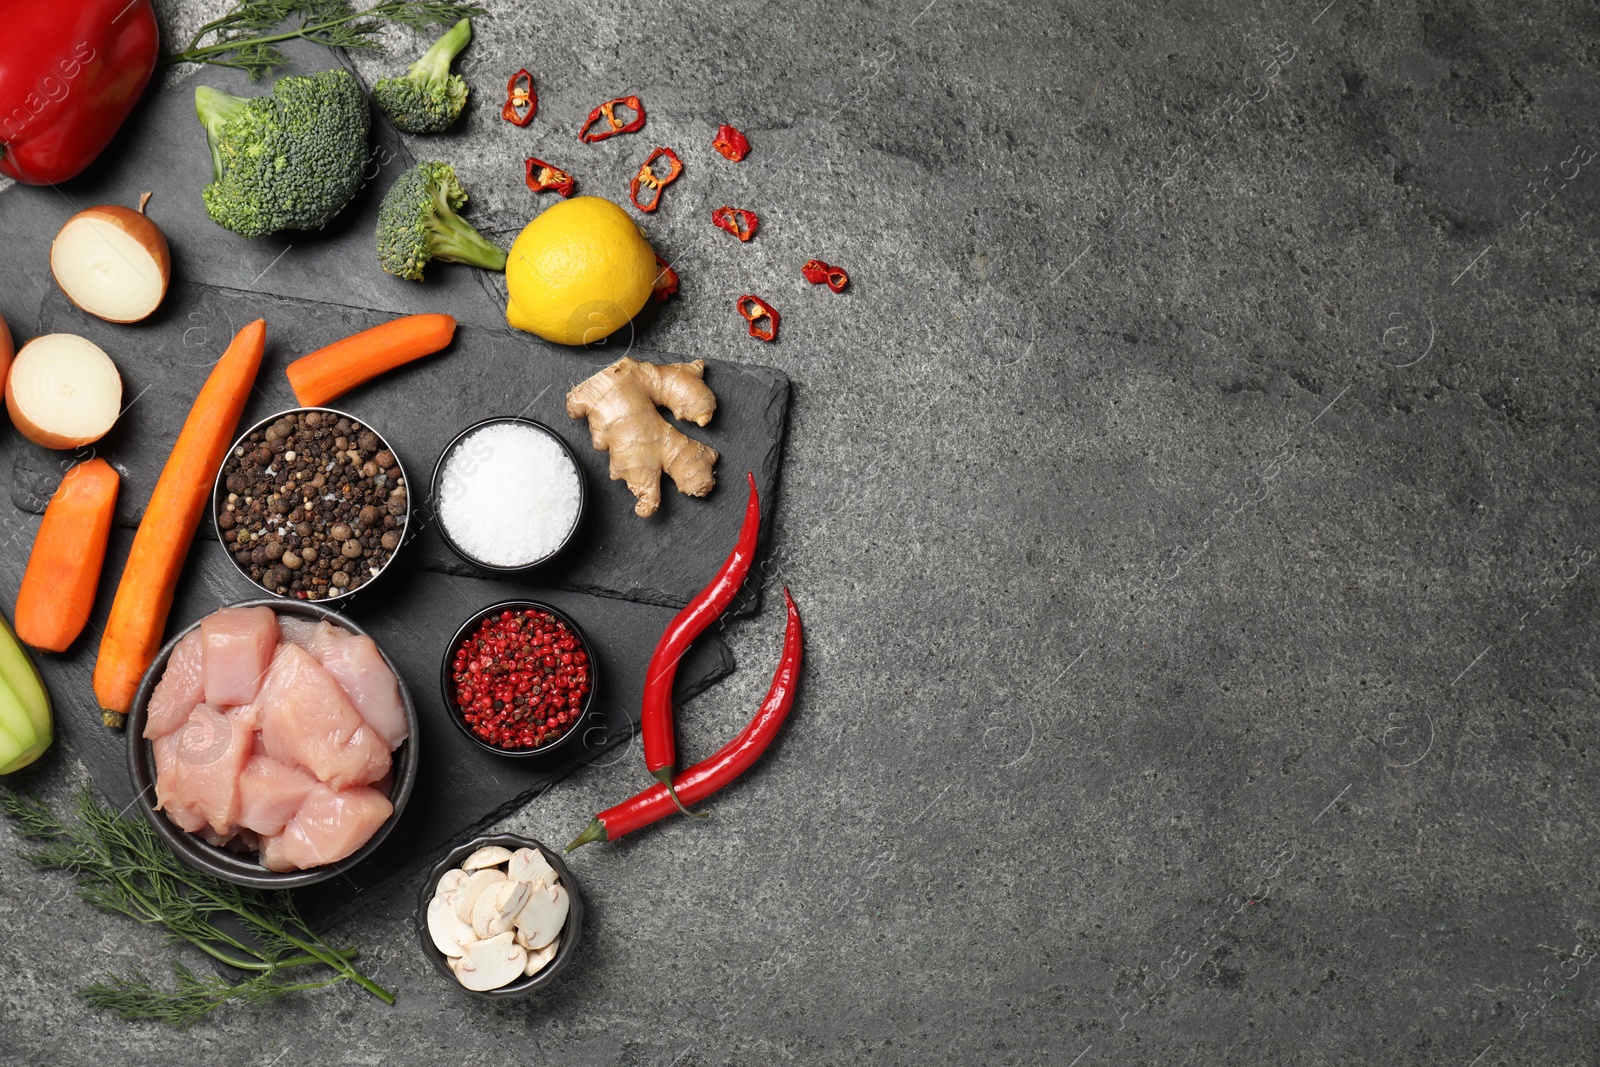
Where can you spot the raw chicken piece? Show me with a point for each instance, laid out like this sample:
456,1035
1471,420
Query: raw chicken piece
360,669
239,643
270,793
217,840
166,759
298,631
197,768
305,719
329,827
178,691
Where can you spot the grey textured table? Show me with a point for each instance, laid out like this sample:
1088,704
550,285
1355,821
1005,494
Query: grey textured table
1192,504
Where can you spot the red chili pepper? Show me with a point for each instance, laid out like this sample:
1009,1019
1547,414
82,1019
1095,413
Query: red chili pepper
737,221
614,125
731,143
655,720
69,76
754,309
818,273
522,103
647,179
666,283
729,761
542,177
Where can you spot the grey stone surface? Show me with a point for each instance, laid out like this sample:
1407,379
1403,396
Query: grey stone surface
1192,505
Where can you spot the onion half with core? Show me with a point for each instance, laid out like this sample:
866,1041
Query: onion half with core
63,391
112,262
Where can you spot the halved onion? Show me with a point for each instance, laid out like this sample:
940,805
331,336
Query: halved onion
112,262
63,391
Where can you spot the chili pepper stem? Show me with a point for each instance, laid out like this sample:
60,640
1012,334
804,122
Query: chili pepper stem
664,776
595,831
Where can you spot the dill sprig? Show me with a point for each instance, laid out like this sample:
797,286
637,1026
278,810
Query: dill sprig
122,866
247,36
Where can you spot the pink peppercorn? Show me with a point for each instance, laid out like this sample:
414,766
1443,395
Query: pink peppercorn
520,679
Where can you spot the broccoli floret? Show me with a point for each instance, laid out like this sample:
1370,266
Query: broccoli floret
418,222
290,160
428,98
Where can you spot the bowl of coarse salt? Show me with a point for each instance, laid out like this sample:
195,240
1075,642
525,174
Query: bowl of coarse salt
508,494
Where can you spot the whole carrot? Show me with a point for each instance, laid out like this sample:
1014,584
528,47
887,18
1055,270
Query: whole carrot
333,371
63,572
144,595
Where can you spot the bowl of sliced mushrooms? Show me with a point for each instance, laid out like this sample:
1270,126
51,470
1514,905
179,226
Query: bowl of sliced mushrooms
500,916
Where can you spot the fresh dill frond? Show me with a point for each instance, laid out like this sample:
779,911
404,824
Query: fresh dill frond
248,35
135,997
123,867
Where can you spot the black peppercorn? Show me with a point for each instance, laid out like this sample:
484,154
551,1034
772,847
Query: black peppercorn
297,531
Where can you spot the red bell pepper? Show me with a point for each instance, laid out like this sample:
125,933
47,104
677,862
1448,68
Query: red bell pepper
69,75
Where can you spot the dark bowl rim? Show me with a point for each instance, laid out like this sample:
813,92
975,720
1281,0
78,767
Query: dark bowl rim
219,489
229,866
444,531
571,932
445,686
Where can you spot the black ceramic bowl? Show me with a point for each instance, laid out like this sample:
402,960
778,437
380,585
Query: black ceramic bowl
570,933
242,868
219,494
437,484
448,690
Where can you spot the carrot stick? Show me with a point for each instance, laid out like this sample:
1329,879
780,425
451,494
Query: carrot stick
335,370
7,350
63,572
144,596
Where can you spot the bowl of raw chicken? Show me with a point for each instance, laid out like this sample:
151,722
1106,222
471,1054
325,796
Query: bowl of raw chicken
273,744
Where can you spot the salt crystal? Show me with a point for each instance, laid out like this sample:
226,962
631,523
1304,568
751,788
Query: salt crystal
509,494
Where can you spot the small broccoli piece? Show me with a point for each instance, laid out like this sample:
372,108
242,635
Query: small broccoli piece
418,222
428,98
290,160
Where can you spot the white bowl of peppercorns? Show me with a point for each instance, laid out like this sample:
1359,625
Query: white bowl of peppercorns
312,504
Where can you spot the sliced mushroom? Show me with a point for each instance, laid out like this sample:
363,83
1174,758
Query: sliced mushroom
498,906
529,865
541,920
449,933
540,957
473,888
491,963
488,856
450,882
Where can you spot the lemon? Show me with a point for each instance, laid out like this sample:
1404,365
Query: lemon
578,272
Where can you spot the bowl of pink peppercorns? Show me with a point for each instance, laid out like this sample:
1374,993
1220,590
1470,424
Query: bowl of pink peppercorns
518,678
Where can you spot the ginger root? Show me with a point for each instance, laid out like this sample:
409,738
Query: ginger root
620,403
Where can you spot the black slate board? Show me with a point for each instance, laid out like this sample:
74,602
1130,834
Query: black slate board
487,371
314,288
459,787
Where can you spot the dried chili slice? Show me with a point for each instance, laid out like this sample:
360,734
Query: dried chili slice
754,309
820,273
648,179
542,177
614,125
731,143
737,221
522,103
666,283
